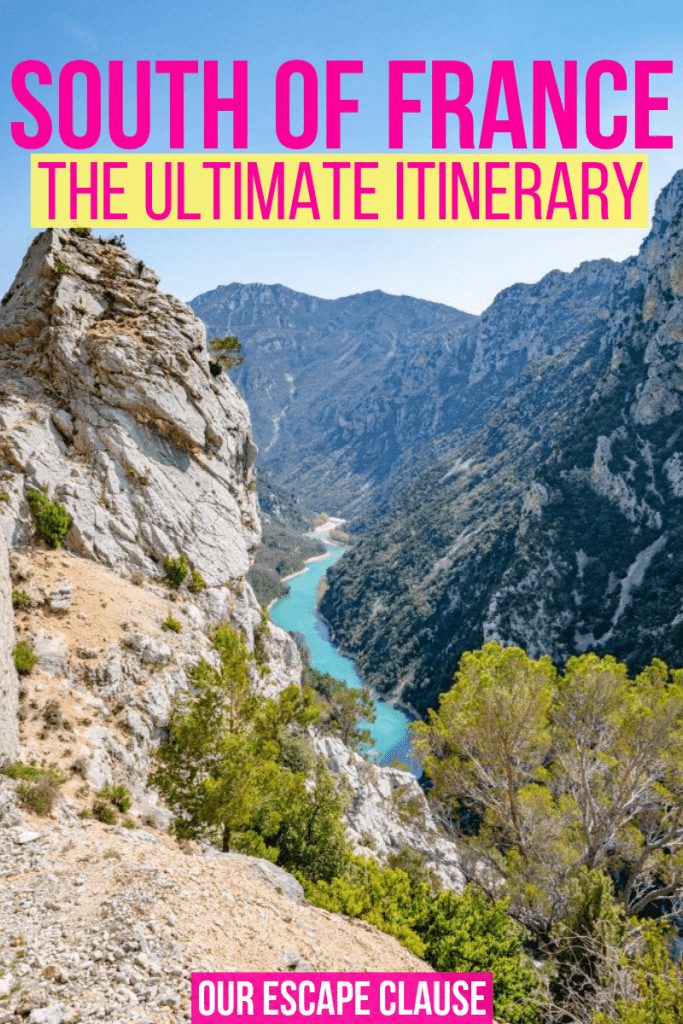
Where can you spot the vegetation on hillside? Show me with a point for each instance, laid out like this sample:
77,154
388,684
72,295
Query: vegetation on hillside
563,789
50,517
226,768
286,543
226,353
343,709
566,792
283,550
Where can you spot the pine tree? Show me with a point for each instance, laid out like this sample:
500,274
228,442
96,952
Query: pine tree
216,768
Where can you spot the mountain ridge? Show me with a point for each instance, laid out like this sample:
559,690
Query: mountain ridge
332,384
558,525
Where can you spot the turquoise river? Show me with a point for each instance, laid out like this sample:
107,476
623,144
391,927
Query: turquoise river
297,612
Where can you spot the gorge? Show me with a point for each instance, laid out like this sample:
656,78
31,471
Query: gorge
514,476
297,613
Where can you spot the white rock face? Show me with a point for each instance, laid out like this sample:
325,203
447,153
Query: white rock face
9,683
52,652
61,597
389,809
110,406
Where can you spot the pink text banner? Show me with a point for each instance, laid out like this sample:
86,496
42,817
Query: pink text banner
293,998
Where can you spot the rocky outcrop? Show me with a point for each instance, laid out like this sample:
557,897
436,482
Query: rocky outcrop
9,683
109,408
388,810
558,525
108,404
108,670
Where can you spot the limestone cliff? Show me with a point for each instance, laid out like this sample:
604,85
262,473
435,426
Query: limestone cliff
388,811
9,684
109,404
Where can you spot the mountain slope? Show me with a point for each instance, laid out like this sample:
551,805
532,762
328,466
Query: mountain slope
342,392
110,415
558,524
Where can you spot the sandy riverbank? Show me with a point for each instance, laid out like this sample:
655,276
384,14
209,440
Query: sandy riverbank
319,531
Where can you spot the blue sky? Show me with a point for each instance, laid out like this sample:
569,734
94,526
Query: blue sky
464,268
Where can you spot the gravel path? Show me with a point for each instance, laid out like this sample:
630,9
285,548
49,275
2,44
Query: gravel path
100,922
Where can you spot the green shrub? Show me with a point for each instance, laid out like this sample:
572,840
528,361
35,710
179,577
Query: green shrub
252,844
116,795
4,496
31,772
413,863
451,932
51,518
261,635
24,658
472,933
176,569
19,770
79,767
38,787
38,797
81,232
310,835
657,981
52,714
20,599
141,479
196,584
104,813
388,898
296,753
409,806
172,624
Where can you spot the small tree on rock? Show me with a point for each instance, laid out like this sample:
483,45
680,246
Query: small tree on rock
226,353
214,770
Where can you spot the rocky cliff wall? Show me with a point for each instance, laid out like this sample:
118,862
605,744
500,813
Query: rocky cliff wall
342,392
558,525
108,404
109,407
9,683
388,811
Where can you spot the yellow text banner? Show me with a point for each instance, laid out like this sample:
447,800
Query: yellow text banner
199,190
